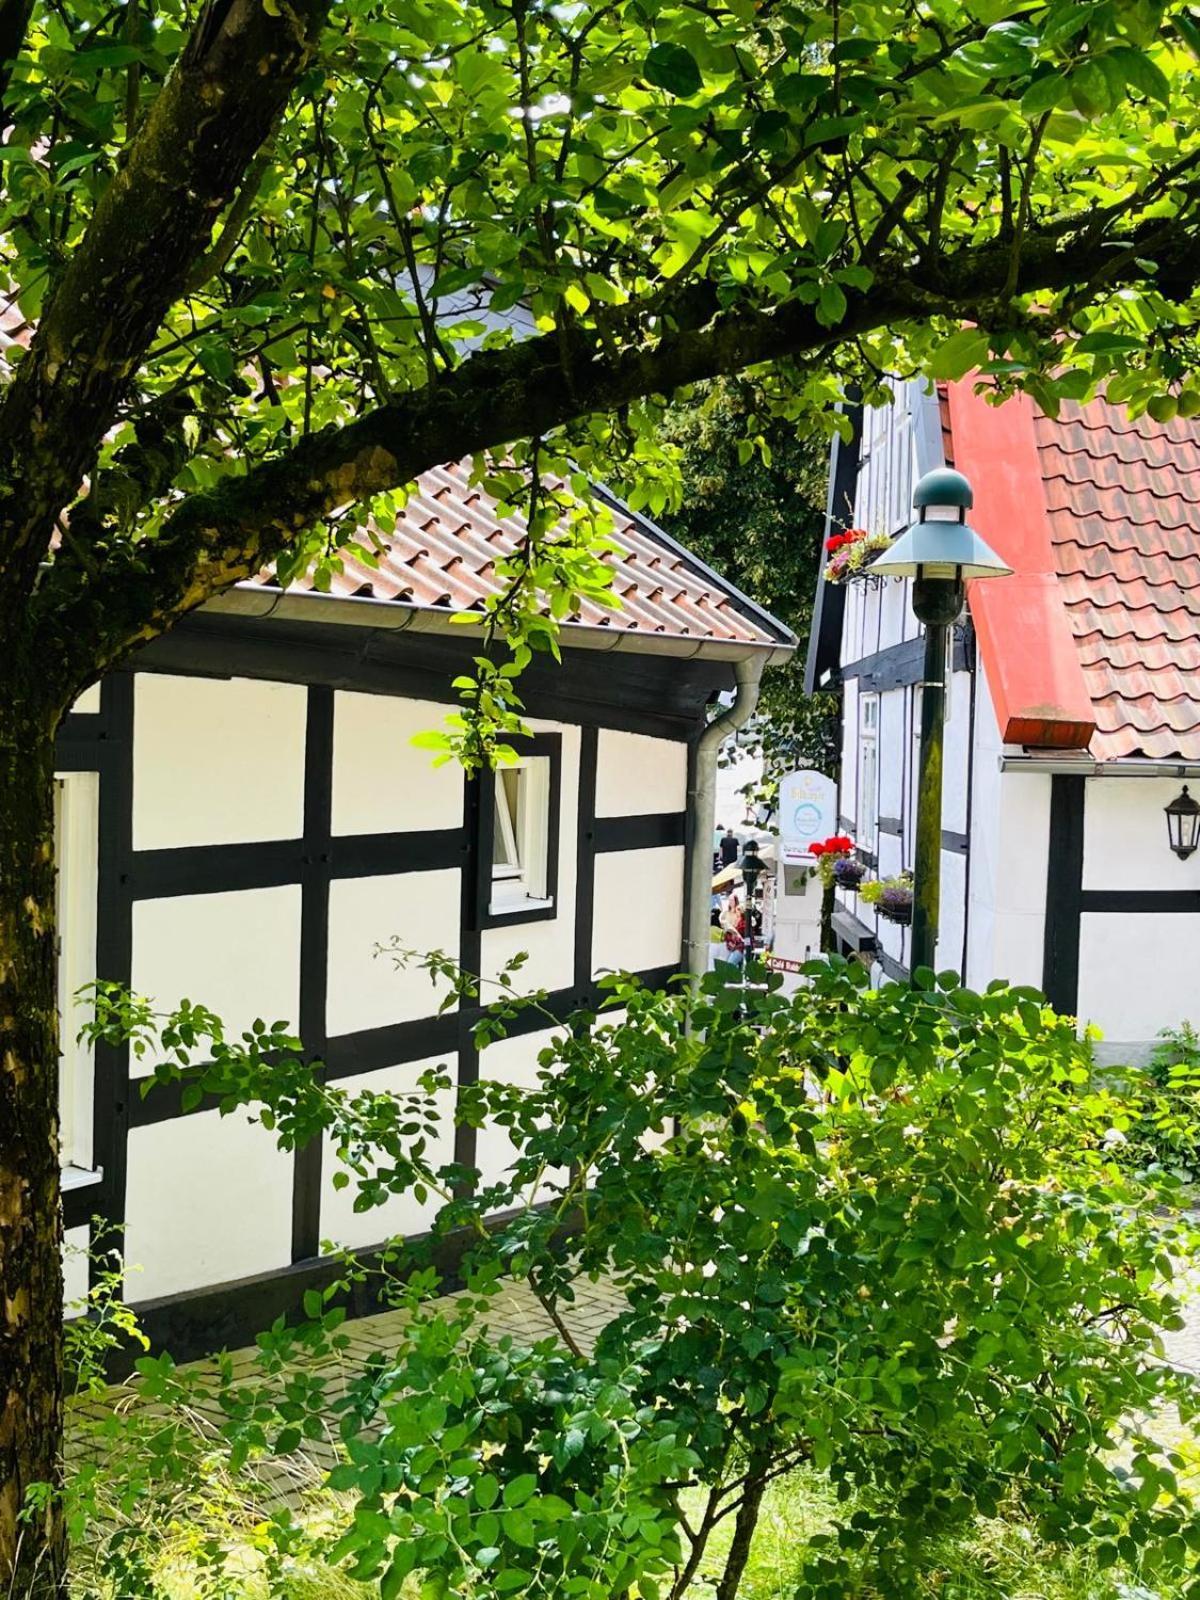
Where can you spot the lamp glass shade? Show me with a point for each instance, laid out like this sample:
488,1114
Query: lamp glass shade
1183,824
752,865
938,549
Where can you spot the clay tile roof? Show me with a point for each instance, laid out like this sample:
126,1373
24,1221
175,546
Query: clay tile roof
1123,499
450,536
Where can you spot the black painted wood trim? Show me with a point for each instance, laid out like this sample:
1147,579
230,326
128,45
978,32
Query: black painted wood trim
585,855
548,745
110,754
956,843
1161,901
829,607
649,832
896,970
1064,894
890,825
214,868
900,665
663,696
314,952
394,1045
229,1316
369,855
470,952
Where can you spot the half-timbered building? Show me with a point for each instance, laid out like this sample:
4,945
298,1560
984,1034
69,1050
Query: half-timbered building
1073,716
244,821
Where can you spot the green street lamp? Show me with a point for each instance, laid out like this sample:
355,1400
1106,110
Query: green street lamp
940,551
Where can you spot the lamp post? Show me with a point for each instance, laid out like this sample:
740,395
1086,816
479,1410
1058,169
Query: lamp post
940,551
751,866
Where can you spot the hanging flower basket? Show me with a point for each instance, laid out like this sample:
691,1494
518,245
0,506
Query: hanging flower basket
831,854
891,897
849,554
848,873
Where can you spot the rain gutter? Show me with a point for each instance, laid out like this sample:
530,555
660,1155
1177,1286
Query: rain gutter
701,804
253,600
1089,767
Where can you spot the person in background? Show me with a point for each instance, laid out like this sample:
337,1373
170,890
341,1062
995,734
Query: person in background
733,922
717,832
730,848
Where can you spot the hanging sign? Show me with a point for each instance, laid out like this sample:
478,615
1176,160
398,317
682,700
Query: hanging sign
807,813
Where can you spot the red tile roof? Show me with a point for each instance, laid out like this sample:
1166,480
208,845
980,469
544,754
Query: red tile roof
450,536
1123,500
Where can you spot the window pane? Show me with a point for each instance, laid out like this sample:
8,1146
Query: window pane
506,854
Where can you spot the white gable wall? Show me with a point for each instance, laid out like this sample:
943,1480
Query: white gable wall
276,838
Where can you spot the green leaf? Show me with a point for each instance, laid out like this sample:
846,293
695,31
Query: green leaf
831,305
673,67
1142,74
959,354
520,1489
1044,94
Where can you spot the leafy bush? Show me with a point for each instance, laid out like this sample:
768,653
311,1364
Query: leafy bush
879,1235
1168,1128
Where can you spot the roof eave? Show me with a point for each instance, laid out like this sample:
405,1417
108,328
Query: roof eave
251,599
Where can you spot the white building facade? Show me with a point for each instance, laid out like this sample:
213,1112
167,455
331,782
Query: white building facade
244,821
1071,715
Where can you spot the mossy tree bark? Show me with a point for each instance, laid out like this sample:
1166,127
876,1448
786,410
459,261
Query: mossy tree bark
33,1547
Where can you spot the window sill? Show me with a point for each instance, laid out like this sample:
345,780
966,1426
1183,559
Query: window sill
517,904
80,1177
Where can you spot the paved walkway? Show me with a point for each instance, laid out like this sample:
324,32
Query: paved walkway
288,1478
516,1312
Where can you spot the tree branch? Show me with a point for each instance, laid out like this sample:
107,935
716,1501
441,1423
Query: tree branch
216,539
152,224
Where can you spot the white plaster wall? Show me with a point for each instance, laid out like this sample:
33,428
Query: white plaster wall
402,1214
512,1061
891,752
381,784
1125,836
1137,975
549,944
848,782
1010,848
216,761
955,748
366,990
237,953
208,1200
952,903
75,1269
637,909
638,776
88,702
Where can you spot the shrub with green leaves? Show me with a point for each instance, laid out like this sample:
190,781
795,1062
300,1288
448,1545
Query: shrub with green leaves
878,1233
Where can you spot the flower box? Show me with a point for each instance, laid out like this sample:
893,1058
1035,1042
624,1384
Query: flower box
848,556
848,873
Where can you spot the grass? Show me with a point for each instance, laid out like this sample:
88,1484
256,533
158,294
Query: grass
1001,1560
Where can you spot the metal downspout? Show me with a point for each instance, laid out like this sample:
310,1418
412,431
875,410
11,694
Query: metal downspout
701,804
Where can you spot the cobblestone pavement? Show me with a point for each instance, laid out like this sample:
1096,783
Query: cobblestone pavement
516,1312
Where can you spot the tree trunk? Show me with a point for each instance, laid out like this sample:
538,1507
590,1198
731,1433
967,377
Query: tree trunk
744,1526
32,1548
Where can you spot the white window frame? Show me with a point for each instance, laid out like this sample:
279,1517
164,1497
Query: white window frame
868,770
519,880
77,851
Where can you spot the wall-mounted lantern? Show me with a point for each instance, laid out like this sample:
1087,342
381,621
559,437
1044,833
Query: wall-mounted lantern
1183,824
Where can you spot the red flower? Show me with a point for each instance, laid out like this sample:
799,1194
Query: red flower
838,844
